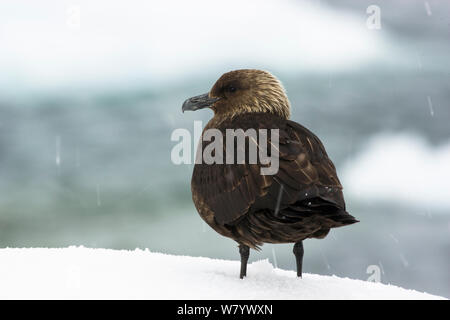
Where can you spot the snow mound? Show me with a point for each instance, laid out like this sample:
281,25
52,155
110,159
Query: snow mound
82,273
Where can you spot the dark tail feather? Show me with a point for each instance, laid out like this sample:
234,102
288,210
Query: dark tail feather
333,216
343,218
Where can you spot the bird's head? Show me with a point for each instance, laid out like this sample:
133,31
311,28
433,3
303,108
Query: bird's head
243,91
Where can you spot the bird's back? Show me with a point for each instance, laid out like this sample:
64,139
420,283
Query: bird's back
303,199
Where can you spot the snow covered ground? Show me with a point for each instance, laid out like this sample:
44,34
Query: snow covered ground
82,273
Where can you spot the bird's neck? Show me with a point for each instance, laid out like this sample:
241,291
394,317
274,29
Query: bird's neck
218,118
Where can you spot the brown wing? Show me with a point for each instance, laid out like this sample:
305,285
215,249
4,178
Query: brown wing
305,173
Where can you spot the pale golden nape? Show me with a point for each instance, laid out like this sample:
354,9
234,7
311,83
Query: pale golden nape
248,91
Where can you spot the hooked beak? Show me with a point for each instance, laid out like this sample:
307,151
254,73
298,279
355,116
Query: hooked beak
198,102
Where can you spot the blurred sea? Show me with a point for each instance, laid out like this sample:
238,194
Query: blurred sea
96,171
91,166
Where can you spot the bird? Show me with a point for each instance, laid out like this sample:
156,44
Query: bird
303,199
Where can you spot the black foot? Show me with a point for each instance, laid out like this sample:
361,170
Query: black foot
298,252
245,253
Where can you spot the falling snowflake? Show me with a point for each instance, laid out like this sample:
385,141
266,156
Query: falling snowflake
58,151
428,8
430,105
274,257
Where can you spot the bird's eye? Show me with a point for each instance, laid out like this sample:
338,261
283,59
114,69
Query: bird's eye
231,89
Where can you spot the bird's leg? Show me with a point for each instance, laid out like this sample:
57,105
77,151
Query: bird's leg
298,252
245,253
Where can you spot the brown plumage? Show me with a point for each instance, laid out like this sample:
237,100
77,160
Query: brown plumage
302,200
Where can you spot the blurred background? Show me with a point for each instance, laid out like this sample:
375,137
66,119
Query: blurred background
90,93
